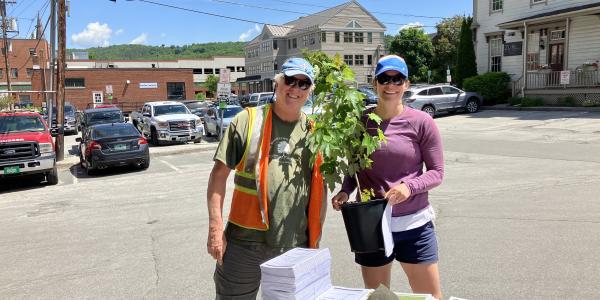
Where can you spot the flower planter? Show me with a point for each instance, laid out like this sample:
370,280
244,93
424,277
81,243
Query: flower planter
363,225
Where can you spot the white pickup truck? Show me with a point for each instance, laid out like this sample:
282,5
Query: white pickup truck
168,121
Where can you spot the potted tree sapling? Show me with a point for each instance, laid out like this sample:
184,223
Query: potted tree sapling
341,138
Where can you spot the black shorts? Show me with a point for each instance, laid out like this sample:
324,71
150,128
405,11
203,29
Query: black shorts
414,246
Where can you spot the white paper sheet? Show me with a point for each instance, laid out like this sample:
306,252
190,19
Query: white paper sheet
386,229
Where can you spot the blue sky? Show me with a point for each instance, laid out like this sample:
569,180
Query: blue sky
102,22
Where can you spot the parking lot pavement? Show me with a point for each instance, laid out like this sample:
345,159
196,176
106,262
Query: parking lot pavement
71,149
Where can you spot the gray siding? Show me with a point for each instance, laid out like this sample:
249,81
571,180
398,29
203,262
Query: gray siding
584,42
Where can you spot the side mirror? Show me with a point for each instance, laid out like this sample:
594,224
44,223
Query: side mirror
78,139
146,114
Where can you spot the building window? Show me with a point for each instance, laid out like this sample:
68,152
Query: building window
337,37
538,1
305,40
369,37
312,39
496,55
74,82
358,37
556,35
347,37
175,90
31,51
359,60
208,71
197,71
14,73
323,37
1,73
275,66
497,5
217,71
369,60
533,51
29,72
241,69
295,43
275,44
231,68
348,59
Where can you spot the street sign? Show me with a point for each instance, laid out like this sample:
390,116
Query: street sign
224,75
449,78
109,89
565,77
148,85
223,90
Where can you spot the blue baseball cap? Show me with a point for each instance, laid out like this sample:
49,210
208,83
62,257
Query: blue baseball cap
298,66
391,63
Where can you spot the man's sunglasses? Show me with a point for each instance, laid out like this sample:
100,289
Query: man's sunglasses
384,79
300,83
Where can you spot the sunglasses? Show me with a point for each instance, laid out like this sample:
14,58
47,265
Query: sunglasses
300,83
384,79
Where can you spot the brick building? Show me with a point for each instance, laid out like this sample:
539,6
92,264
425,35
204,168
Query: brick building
28,63
126,87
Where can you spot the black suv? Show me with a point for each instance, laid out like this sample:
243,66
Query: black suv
95,116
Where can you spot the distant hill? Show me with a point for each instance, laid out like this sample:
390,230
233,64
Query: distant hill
143,52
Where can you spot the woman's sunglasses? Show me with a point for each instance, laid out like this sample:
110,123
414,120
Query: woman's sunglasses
300,83
384,79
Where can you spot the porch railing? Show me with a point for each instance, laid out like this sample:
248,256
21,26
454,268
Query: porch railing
552,79
517,86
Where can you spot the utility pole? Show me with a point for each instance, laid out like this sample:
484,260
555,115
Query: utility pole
60,79
5,39
52,86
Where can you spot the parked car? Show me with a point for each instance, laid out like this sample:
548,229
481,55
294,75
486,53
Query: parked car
370,95
109,145
258,99
199,108
212,120
434,99
105,115
70,123
168,121
26,146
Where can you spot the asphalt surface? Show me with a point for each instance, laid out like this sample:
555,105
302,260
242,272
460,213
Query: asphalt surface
517,217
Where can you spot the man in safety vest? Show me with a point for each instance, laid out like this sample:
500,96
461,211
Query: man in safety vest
278,201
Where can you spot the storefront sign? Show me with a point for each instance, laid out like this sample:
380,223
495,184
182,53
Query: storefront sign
513,49
148,85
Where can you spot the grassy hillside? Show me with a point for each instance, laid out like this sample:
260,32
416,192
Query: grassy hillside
134,52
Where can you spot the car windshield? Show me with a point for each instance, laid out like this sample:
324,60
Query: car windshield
104,117
368,92
123,130
230,112
69,111
10,124
169,110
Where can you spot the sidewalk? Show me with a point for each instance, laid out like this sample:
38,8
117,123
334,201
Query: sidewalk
155,151
541,108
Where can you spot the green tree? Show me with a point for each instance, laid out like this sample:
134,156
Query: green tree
211,83
415,46
466,66
445,47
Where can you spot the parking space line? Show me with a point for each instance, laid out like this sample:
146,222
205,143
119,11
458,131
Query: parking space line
171,166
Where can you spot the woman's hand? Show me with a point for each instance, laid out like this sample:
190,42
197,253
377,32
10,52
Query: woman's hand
398,194
338,200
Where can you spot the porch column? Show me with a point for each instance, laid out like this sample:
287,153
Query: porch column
524,86
566,54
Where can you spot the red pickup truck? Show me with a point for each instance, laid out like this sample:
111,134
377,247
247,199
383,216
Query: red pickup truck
26,146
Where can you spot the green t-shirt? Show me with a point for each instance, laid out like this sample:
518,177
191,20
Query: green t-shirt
288,181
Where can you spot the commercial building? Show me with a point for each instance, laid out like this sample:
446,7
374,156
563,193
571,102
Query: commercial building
549,47
347,29
28,63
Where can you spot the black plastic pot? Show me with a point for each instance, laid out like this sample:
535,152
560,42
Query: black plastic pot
363,225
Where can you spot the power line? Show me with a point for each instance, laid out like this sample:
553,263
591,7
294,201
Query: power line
43,9
39,39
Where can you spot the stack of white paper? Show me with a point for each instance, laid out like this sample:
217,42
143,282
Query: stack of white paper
297,274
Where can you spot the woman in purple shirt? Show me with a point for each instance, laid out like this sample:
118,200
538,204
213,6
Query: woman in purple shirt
413,140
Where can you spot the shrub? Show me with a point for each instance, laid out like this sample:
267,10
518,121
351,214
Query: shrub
529,102
493,86
515,100
200,96
568,101
589,103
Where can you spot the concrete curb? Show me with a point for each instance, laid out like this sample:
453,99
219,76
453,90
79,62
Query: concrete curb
70,160
542,108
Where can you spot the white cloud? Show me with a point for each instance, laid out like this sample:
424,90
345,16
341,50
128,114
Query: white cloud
95,34
252,31
411,25
141,39
119,31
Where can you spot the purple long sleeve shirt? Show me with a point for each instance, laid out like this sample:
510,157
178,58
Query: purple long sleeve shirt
413,139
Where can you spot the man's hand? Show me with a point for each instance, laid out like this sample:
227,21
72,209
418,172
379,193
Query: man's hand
216,243
398,194
338,200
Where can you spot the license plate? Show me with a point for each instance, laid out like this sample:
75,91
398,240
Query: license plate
184,138
120,147
12,170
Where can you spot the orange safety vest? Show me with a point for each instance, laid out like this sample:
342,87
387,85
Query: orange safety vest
249,207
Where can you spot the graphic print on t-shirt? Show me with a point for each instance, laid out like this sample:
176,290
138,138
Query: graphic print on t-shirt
282,151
